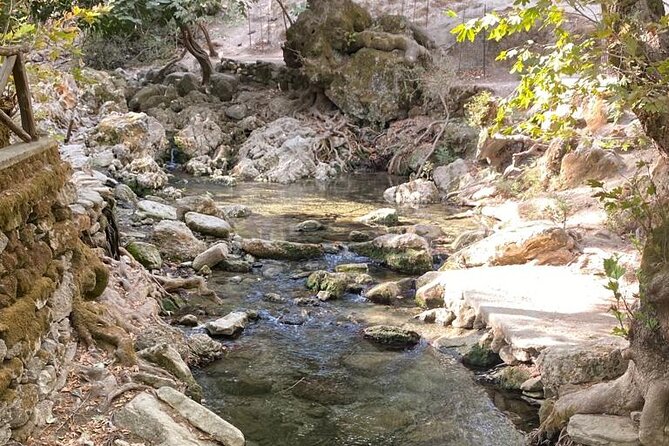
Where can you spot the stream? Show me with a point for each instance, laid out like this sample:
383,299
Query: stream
304,375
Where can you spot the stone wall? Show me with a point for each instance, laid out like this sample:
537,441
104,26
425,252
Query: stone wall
45,269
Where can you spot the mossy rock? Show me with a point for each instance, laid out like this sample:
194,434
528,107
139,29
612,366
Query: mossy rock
146,254
392,337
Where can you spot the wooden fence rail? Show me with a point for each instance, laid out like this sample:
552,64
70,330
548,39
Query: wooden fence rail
14,65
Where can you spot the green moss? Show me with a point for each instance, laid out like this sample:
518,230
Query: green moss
334,283
9,371
22,321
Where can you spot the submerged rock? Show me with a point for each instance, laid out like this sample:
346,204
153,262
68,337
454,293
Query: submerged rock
391,336
310,226
406,253
235,211
281,250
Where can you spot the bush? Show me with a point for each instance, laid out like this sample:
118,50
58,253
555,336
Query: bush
481,110
117,51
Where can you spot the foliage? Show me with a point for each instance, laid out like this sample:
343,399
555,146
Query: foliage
481,110
608,59
621,307
559,211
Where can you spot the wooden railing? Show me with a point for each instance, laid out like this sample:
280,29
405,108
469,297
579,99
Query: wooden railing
14,65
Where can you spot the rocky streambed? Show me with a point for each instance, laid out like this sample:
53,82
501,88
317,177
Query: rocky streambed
302,372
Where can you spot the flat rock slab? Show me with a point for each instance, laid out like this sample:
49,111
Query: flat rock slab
228,325
533,306
603,430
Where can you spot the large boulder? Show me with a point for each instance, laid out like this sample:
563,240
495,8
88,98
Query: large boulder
281,250
146,254
202,136
368,68
142,174
589,164
140,135
603,430
449,178
540,243
413,192
282,151
383,216
405,253
155,210
176,242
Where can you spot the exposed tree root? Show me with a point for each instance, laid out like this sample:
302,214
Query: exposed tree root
196,282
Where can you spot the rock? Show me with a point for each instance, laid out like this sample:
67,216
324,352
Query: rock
352,268
4,241
385,217
202,418
188,82
439,316
357,236
143,416
176,242
310,226
146,254
222,86
591,163
406,253
603,430
236,112
189,320
202,204
468,238
281,250
391,336
293,318
205,349
532,385
428,232
449,178
228,325
273,297
148,96
201,137
143,174
167,358
480,356
280,152
208,224
587,363
541,243
235,211
137,134
371,85
125,197
211,257
332,285
157,211
414,192
383,293
512,377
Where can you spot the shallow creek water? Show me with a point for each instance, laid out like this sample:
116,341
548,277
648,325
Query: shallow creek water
304,376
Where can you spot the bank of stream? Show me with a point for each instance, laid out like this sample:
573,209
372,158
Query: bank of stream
303,375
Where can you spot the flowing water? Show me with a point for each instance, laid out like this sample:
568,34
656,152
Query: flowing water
303,375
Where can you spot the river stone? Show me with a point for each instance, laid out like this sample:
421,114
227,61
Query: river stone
352,268
208,224
125,197
532,385
281,250
328,285
157,211
211,257
309,226
384,217
391,336
176,242
414,192
405,253
358,236
202,204
448,178
236,112
189,320
228,325
146,254
235,210
384,293
202,418
143,416
603,430
205,349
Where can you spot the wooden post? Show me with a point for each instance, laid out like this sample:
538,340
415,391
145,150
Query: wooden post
24,98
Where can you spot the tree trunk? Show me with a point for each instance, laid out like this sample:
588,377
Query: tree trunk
207,38
196,50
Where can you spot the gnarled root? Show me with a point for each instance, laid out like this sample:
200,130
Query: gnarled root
618,397
655,415
383,41
93,323
196,282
